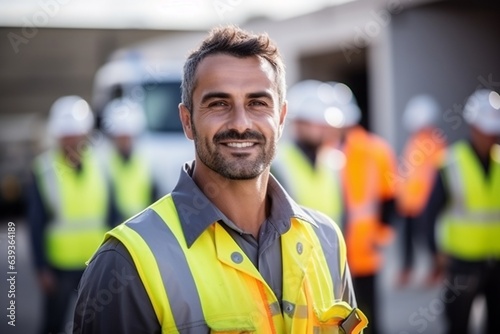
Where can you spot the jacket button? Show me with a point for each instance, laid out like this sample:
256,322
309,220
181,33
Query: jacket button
236,257
299,247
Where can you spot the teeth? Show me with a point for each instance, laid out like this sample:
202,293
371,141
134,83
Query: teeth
239,145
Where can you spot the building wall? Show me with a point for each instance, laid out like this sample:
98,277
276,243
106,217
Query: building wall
447,50
53,62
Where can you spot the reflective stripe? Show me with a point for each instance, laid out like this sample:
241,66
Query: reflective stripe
455,185
480,217
76,225
294,311
161,240
334,252
46,171
326,330
364,211
275,308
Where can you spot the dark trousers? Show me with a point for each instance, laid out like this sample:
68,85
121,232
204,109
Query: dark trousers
408,234
57,305
465,281
364,287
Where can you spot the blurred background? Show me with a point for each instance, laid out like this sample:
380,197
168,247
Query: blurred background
386,51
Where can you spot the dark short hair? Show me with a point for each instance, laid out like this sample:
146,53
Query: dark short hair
234,41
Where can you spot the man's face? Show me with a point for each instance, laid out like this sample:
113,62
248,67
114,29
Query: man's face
310,133
73,146
482,139
123,143
236,120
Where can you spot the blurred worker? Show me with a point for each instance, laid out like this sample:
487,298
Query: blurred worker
466,197
421,157
68,208
304,166
369,199
132,186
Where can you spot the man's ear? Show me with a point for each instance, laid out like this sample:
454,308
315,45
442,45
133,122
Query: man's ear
185,116
283,112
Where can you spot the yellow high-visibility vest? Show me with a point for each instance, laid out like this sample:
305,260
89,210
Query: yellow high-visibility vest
213,285
131,181
470,227
317,187
77,203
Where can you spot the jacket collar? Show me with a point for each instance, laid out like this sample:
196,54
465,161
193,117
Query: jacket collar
196,212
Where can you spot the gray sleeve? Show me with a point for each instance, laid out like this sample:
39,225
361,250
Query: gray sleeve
111,296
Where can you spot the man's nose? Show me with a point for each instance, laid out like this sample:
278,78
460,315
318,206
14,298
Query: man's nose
240,119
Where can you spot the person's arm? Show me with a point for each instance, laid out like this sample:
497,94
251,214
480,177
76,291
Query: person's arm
37,221
387,165
389,214
111,296
155,192
113,215
436,203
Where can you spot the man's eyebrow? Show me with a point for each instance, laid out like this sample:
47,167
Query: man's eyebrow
260,95
214,95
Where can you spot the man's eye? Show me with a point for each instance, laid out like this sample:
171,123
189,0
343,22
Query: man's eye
258,103
217,104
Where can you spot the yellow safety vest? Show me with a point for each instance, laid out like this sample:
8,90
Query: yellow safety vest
214,285
470,227
131,181
77,203
317,187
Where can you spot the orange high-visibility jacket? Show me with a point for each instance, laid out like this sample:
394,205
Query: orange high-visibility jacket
421,158
370,162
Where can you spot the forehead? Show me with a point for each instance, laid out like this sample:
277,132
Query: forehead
225,72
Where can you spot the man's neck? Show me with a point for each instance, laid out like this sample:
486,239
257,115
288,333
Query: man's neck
244,202
310,150
483,155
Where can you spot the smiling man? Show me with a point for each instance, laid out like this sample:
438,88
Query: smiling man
228,251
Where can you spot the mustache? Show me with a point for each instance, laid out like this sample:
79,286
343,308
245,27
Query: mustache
233,134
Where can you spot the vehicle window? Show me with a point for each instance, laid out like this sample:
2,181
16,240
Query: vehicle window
161,101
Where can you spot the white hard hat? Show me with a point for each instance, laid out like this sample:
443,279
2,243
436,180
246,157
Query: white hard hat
482,110
123,116
329,103
421,111
346,103
70,116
